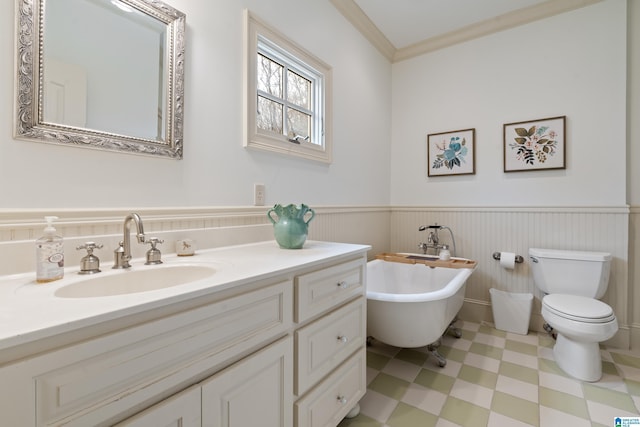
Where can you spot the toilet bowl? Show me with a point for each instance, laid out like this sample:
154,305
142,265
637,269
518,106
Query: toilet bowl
573,282
581,324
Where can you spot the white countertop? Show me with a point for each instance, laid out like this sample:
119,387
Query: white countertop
30,311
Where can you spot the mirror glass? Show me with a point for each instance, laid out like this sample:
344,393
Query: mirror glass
105,74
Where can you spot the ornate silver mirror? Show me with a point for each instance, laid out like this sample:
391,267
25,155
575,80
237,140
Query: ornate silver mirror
102,74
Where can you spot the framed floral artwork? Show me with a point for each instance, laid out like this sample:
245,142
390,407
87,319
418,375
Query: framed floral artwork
451,153
535,145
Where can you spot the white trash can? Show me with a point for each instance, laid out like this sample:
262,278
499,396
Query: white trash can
511,311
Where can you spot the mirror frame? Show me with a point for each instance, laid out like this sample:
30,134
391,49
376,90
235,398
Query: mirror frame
28,123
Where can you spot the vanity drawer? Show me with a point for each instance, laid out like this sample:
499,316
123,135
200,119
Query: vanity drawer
322,290
327,342
182,409
95,380
332,399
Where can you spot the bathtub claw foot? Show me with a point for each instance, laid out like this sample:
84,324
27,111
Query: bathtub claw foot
456,332
433,349
452,330
442,362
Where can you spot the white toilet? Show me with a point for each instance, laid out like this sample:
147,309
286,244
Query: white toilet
572,282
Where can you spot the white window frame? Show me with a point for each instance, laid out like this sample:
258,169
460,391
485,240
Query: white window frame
260,38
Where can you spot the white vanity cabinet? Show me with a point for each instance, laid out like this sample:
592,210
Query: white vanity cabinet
330,345
255,391
284,350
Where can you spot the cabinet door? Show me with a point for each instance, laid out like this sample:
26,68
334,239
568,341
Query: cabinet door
92,383
256,391
180,410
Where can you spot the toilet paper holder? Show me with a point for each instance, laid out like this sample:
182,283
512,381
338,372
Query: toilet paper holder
519,259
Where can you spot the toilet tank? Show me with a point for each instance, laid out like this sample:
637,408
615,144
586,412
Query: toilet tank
570,272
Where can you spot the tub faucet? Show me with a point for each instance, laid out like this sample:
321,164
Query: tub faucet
433,241
123,252
433,238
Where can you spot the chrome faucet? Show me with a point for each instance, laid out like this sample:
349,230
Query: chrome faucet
433,238
123,253
433,241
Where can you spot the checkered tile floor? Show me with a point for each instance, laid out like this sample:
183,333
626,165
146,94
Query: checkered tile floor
493,378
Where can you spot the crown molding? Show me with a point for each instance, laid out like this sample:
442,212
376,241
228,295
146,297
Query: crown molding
491,26
361,21
367,28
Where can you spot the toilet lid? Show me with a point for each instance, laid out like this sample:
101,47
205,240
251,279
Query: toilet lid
579,308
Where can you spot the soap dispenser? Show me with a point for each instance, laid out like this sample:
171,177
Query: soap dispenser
49,254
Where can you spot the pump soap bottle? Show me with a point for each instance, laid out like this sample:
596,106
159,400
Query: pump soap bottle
49,254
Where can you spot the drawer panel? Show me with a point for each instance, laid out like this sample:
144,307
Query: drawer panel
327,342
181,410
322,290
332,399
112,374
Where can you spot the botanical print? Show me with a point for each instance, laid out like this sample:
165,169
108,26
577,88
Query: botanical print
451,153
535,145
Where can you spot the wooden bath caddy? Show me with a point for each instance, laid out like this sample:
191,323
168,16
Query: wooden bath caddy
430,261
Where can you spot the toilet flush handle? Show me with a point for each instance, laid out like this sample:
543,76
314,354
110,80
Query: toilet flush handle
533,259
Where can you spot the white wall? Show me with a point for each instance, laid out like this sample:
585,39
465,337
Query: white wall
634,102
633,178
573,64
216,169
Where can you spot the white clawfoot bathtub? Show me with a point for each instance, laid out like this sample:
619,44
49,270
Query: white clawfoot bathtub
412,305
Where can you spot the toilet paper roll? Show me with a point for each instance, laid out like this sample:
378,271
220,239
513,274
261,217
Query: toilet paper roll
507,260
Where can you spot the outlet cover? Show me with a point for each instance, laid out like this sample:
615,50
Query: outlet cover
258,194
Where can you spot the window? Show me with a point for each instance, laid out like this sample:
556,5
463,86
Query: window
287,95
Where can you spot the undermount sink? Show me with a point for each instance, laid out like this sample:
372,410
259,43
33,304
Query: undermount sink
135,281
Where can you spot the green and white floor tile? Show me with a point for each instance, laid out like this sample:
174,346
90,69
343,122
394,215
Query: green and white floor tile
493,379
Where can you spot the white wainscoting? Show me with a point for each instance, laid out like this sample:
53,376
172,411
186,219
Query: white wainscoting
634,275
479,232
209,226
